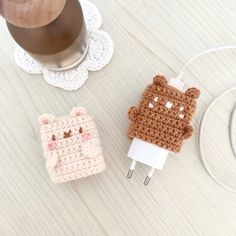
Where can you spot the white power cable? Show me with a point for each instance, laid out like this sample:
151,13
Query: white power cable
201,125
232,129
205,113
190,60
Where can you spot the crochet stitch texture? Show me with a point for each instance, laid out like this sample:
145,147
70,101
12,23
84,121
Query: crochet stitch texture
71,146
164,115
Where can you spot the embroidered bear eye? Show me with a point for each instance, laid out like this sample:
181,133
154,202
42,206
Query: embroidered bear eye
53,137
67,134
156,99
80,130
150,105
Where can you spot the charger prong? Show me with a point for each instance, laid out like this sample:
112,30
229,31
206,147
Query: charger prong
131,169
130,173
147,180
149,176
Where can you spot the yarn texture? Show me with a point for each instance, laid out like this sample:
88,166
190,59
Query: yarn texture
71,146
164,114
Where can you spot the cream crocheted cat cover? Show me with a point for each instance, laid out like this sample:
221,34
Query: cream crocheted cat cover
71,146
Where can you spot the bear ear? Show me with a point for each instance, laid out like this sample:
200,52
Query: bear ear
160,80
46,119
193,92
78,111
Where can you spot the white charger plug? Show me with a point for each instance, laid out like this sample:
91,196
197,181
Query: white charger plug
148,153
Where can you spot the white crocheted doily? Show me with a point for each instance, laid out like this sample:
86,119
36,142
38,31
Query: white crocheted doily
99,54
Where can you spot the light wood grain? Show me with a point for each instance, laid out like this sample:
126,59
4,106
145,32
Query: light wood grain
150,37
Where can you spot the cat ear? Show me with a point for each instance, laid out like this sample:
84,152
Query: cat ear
46,119
160,80
78,111
193,92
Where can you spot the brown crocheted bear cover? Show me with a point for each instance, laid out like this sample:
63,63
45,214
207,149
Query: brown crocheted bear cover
164,114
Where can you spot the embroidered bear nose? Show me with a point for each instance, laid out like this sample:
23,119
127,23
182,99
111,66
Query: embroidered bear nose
67,134
169,104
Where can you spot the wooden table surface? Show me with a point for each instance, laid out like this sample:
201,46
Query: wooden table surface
150,37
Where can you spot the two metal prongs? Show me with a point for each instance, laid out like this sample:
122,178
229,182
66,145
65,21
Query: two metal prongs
131,171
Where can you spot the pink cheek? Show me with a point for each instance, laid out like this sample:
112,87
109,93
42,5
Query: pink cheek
87,136
52,146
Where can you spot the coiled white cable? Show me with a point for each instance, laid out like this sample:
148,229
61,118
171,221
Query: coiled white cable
200,142
232,128
205,113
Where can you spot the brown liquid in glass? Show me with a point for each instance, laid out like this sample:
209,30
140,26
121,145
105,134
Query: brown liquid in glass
55,37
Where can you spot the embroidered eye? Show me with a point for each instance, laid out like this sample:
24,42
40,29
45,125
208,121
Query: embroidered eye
150,105
168,104
53,137
181,108
156,99
80,130
67,134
